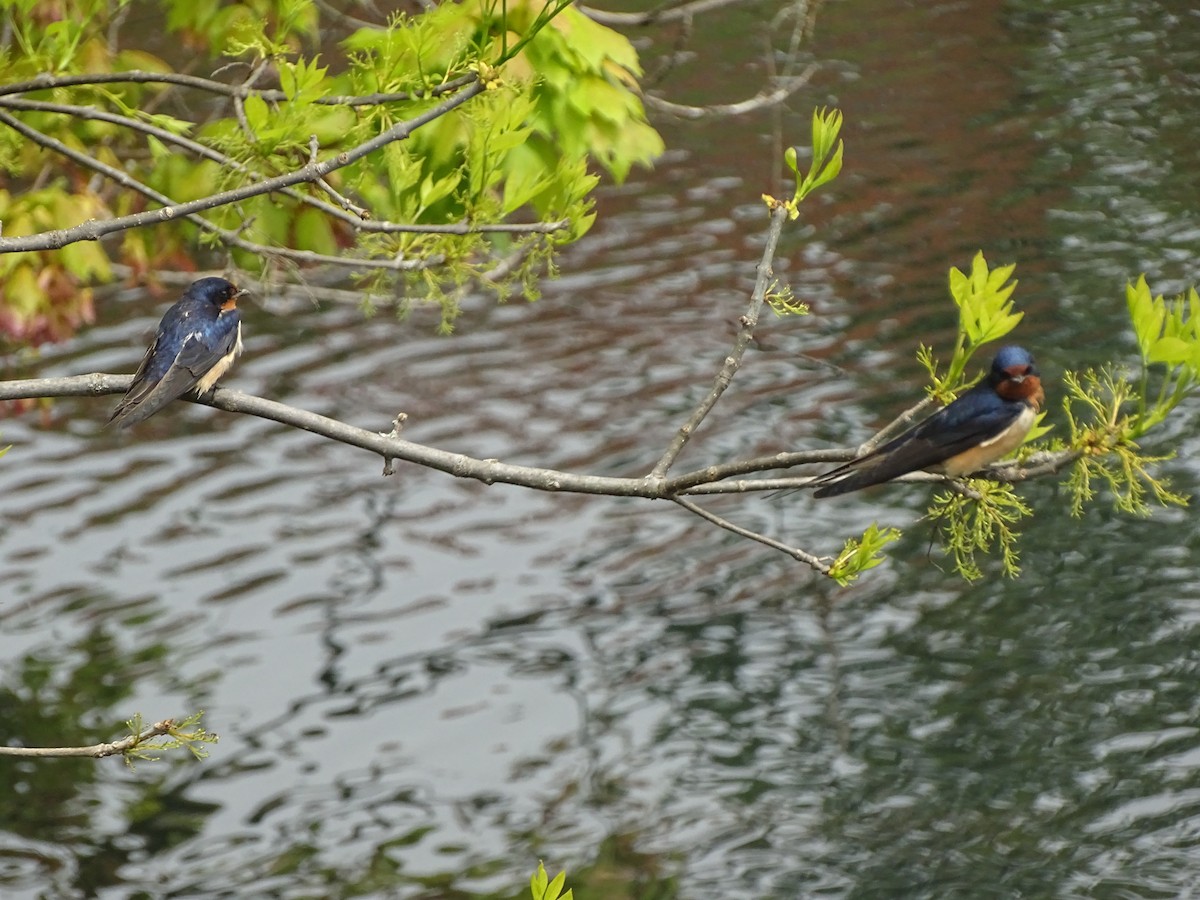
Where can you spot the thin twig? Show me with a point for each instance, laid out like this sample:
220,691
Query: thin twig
734,360
795,483
45,82
794,552
314,150
489,471
760,100
895,426
239,101
95,751
666,12
784,460
1047,462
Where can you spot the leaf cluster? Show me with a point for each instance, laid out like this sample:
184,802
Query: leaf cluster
188,733
562,93
985,315
825,161
542,887
861,554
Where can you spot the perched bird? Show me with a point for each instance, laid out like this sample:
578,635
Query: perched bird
987,422
197,341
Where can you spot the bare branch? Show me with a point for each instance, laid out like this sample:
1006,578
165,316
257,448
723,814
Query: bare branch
785,460
489,471
734,360
761,100
794,552
358,220
665,12
95,751
1044,463
314,148
895,426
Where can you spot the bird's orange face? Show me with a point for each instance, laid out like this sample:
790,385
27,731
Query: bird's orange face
231,298
1022,383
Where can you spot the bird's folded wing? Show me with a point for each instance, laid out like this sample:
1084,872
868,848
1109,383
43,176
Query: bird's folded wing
943,435
147,396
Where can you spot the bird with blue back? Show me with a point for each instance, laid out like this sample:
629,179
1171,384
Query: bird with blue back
197,341
983,425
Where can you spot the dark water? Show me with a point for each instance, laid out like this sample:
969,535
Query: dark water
423,686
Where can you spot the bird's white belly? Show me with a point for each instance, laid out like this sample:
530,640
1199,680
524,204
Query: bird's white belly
213,375
992,449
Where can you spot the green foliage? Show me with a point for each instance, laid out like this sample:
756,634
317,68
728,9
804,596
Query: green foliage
1103,431
1168,334
43,295
188,733
781,299
984,301
862,553
979,520
542,888
825,166
561,94
826,160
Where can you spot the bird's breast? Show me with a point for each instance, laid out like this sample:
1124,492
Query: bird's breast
221,366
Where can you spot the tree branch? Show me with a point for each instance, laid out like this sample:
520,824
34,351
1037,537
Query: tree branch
762,99
794,552
893,427
340,212
45,82
734,360
95,751
709,480
93,230
230,238
665,12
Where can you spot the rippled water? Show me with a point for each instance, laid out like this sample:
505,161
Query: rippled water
424,685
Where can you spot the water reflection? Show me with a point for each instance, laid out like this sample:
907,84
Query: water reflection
423,686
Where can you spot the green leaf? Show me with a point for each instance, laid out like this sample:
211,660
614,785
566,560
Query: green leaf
432,190
314,232
830,171
1146,315
258,114
538,882
859,555
826,124
1170,350
86,261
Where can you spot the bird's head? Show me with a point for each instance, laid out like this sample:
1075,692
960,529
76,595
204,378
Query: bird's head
217,291
1015,376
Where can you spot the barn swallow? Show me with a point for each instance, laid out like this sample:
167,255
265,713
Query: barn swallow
984,424
197,341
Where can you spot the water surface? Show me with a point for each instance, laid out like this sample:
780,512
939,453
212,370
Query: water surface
424,685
